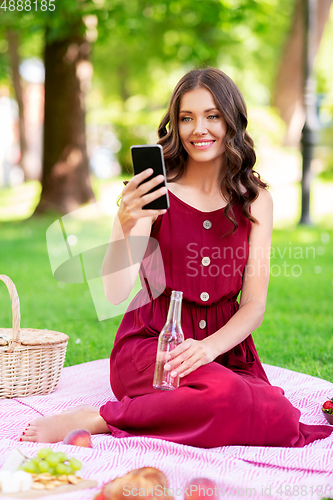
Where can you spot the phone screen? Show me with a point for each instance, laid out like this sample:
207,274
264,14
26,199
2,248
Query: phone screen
151,156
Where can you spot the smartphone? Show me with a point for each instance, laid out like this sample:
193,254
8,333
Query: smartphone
151,156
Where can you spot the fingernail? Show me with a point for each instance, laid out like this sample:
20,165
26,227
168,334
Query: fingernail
167,367
173,374
28,425
23,433
20,439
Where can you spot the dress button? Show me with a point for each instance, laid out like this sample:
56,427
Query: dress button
202,324
207,224
205,261
204,296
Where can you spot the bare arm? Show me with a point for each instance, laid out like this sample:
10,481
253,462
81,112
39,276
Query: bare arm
192,353
126,250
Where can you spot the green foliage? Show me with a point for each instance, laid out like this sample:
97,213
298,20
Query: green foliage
324,74
327,173
140,49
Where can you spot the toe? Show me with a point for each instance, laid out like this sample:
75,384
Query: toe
28,434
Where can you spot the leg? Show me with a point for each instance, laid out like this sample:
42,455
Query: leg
54,428
213,406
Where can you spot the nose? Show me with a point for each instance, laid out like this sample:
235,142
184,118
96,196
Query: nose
200,127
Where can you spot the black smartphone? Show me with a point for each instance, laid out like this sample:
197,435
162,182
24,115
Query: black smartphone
151,156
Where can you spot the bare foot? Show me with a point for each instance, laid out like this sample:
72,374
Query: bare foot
55,427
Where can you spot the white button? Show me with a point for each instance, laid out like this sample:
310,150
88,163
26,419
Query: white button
204,296
202,324
207,224
205,261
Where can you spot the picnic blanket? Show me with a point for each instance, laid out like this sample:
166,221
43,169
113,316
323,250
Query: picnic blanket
240,471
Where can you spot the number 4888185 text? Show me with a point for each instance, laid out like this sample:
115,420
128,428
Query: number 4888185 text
27,5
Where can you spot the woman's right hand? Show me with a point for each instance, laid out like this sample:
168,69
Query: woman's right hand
134,197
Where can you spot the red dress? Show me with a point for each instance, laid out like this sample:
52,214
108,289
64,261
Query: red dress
227,402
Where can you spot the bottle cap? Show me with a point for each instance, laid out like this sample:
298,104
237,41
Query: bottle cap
176,295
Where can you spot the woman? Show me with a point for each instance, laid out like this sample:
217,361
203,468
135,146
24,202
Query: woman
214,241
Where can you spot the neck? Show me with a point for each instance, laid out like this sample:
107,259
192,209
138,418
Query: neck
205,176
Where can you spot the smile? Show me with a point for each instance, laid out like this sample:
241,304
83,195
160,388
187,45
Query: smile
203,144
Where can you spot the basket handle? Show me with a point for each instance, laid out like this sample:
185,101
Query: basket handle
15,311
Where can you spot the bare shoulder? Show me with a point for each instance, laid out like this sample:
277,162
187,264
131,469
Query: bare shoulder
262,207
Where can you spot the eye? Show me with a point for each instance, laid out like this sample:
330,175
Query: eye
185,118
213,117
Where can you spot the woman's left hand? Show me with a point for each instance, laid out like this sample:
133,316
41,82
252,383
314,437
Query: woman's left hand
188,356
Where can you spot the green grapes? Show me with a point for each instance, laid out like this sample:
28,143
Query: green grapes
29,467
44,452
75,464
55,463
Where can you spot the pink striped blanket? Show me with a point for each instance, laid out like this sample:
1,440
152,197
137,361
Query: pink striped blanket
241,472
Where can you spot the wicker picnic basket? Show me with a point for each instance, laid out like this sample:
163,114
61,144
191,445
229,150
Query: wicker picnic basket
30,360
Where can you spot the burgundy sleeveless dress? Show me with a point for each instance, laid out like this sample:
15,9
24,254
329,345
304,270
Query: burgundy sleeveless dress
227,402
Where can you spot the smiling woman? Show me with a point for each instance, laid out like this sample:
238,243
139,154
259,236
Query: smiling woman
222,210
202,132
204,103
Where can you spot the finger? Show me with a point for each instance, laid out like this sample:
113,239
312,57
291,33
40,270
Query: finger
148,198
153,213
178,362
189,366
181,348
185,368
134,202
136,179
187,372
147,186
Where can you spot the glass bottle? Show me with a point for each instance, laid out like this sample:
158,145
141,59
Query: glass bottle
170,336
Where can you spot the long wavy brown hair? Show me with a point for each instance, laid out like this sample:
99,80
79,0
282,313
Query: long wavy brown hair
240,156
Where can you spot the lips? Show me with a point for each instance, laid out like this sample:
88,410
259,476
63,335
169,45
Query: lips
202,144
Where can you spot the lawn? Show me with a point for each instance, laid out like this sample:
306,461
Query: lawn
296,332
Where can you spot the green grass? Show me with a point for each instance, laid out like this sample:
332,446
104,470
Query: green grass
46,303
297,329
296,332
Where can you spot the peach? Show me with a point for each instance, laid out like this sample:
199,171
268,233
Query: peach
201,488
79,437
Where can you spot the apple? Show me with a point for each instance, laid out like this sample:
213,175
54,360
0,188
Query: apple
201,488
79,437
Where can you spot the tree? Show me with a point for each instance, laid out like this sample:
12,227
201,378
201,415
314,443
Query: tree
289,85
140,38
65,182
13,45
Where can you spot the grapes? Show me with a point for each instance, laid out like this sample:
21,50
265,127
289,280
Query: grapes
55,463
61,469
29,467
44,452
51,459
75,464
62,457
43,466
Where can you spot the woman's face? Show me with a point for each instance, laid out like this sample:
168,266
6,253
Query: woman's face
201,126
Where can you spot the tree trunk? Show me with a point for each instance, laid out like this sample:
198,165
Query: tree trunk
288,96
65,181
13,44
